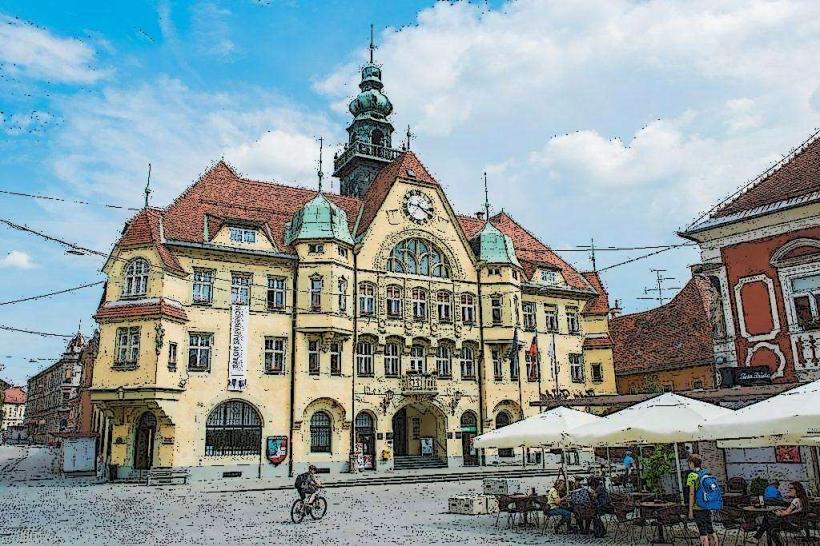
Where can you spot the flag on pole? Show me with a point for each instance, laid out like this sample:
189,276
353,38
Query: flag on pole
533,367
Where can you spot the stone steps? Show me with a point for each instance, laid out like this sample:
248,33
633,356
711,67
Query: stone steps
416,462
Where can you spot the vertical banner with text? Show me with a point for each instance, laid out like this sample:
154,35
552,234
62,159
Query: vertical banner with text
239,347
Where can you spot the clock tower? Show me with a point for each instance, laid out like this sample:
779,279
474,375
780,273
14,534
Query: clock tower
370,135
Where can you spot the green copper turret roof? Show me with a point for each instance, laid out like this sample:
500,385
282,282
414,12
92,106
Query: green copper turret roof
493,247
371,102
318,219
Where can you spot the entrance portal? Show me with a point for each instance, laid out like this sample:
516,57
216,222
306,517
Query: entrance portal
400,433
144,441
468,432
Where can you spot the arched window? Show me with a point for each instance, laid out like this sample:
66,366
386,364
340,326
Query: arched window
135,282
320,432
394,295
468,419
444,306
392,366
364,358
418,359
467,362
233,428
367,298
467,308
418,257
377,137
364,423
501,421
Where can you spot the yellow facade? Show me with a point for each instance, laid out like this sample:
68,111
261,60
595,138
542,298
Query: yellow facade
157,410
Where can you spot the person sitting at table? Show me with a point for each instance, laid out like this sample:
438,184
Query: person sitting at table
582,497
772,493
774,523
555,496
603,504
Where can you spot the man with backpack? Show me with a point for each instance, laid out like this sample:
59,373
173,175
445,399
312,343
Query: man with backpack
704,496
307,484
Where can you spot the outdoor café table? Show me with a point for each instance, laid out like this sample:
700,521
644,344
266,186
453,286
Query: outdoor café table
760,509
524,496
653,506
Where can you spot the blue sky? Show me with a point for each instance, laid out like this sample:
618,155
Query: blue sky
619,121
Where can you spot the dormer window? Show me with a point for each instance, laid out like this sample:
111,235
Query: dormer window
135,283
411,173
243,235
548,277
493,271
316,248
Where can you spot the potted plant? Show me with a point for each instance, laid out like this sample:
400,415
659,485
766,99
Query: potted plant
655,467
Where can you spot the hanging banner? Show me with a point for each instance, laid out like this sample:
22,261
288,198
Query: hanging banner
239,347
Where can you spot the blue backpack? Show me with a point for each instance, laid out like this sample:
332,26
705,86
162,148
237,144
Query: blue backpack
708,494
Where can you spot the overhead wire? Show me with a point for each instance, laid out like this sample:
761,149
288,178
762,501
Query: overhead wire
49,294
65,200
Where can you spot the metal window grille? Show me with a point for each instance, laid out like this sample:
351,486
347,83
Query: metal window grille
233,428
320,429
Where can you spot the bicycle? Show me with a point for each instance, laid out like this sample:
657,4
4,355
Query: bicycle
316,510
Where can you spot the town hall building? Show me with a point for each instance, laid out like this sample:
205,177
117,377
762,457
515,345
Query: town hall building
251,328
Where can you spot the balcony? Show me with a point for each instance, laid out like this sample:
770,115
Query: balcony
419,385
367,150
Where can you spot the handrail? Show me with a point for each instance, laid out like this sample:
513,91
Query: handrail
363,148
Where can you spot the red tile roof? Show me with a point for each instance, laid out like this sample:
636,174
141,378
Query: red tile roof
795,176
599,305
224,196
597,343
144,229
406,163
14,395
124,311
675,335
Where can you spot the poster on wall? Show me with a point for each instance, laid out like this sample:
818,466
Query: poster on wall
239,347
277,449
787,454
427,446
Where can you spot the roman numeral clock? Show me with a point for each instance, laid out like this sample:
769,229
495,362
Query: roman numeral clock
418,206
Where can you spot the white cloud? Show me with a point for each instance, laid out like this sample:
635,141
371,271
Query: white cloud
17,259
22,123
211,30
33,52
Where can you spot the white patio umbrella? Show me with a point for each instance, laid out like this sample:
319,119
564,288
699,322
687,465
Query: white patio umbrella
666,419
547,429
793,414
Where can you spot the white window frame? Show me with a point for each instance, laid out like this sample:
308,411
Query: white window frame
275,349
444,365
127,346
419,299
444,304
342,295
201,345
316,248
528,308
135,278
394,301
467,308
551,318
336,358
276,293
573,320
496,310
314,361
418,359
367,298
467,358
364,358
316,284
498,363
549,277
202,287
241,288
242,235
392,362
576,367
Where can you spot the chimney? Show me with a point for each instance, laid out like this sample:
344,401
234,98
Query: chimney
615,311
479,215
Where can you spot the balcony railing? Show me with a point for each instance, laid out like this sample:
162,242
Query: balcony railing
369,150
807,349
419,384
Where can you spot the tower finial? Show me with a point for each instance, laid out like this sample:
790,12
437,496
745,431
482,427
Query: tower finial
409,136
148,186
486,198
372,44
320,173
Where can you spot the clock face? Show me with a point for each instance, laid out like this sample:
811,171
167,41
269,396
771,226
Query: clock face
418,206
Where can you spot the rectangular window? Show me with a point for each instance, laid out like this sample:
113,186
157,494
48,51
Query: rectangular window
276,293
513,365
393,302
367,298
128,346
529,315
392,353
199,352
316,294
172,356
498,369
495,310
576,368
416,427
275,355
467,309
203,287
443,365
417,360
336,358
467,363
342,295
316,248
597,372
551,318
573,322
240,289
493,271
342,251
533,367
548,277
243,235
445,310
364,359
419,297
313,357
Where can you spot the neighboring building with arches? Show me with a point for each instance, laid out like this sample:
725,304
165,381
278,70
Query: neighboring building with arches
372,328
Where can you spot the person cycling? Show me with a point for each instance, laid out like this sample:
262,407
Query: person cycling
307,484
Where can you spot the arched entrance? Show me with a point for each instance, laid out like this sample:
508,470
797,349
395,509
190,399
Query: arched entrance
469,429
419,436
365,441
144,441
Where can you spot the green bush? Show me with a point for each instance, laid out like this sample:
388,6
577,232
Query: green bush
757,486
656,466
